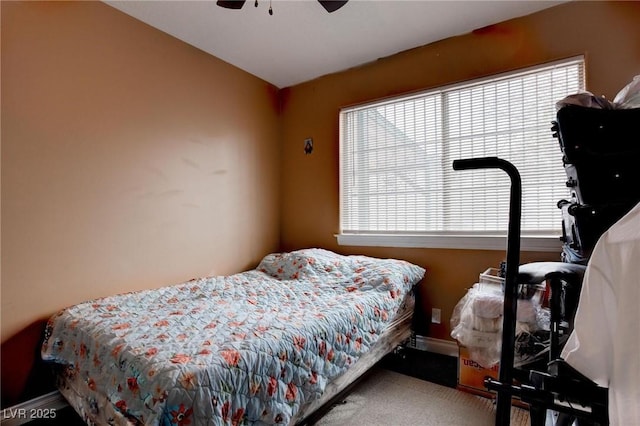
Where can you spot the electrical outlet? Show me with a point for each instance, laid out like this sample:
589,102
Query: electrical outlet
435,315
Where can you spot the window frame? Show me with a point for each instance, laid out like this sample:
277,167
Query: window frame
474,240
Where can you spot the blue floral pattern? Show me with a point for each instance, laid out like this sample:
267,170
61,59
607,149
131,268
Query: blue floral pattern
249,348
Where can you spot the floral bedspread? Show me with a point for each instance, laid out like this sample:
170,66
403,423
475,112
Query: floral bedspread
248,348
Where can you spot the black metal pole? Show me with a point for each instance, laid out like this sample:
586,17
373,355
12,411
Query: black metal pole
503,408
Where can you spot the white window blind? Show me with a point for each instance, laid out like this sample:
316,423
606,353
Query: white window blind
396,175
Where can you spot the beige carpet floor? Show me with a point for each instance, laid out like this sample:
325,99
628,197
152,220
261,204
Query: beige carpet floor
387,398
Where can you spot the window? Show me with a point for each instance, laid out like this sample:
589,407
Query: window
397,184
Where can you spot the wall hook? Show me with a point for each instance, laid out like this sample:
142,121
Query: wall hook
308,146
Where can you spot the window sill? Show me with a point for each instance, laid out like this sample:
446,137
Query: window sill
466,242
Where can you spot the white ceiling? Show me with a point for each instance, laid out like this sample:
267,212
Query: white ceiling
301,41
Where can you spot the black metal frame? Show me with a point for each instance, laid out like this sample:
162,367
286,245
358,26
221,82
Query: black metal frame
560,388
503,408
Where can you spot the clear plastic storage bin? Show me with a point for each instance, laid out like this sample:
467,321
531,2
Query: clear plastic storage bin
491,281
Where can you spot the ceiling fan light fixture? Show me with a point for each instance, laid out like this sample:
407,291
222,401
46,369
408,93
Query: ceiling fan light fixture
231,4
332,5
329,5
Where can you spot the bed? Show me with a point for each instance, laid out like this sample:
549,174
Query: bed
265,346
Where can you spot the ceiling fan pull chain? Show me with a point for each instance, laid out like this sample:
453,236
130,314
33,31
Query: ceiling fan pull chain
270,8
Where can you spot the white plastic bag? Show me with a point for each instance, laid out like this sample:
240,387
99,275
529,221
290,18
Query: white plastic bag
482,336
585,99
476,323
629,96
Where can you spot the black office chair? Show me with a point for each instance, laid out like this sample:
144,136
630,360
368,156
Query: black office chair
558,386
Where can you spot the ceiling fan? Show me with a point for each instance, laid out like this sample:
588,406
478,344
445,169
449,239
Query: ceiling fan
329,5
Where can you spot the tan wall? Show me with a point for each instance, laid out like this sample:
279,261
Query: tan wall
607,34
130,160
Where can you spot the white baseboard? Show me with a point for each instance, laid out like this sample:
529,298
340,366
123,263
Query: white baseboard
43,407
438,346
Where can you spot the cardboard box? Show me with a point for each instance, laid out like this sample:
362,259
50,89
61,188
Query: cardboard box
471,377
471,374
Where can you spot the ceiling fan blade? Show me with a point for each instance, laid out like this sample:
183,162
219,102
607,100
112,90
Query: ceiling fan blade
231,4
332,5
